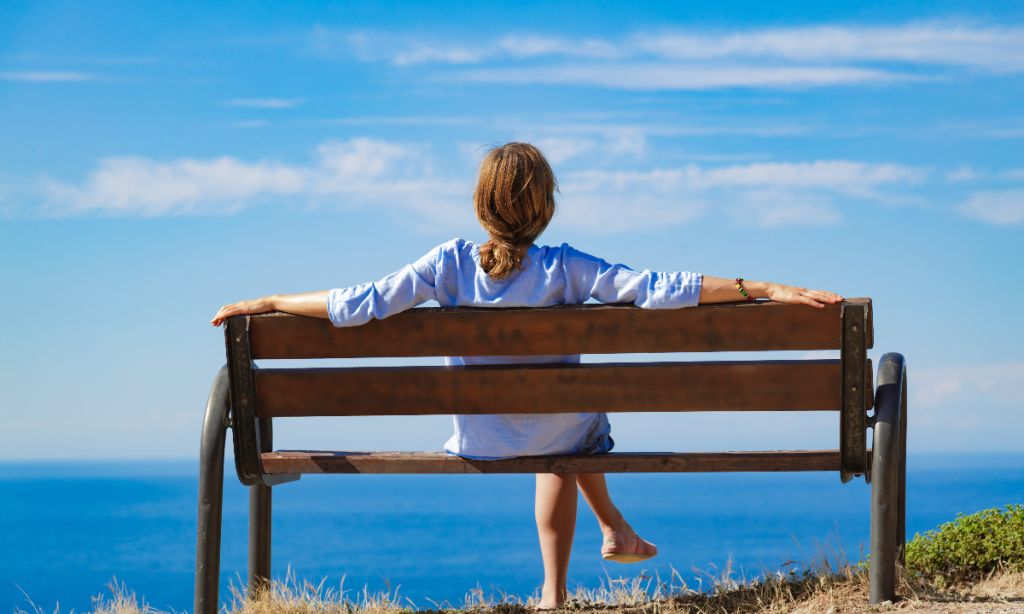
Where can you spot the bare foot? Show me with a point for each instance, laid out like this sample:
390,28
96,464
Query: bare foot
549,601
625,546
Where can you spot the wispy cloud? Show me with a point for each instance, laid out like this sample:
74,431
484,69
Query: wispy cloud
762,194
79,59
963,174
655,76
264,103
977,402
682,59
963,386
1013,174
139,186
403,120
248,124
358,172
45,76
938,43
998,207
401,178
934,42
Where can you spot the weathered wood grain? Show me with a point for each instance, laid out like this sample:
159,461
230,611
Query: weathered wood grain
576,329
296,462
780,385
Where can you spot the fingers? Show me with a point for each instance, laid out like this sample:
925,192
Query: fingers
240,308
226,312
822,295
806,300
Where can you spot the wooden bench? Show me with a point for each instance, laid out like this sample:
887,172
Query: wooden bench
247,399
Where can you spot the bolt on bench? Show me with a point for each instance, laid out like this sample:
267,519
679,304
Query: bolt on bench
247,399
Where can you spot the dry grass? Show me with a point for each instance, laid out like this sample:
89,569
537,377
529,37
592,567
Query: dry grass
823,588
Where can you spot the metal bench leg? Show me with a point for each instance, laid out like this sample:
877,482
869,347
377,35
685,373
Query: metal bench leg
259,523
211,495
901,510
888,500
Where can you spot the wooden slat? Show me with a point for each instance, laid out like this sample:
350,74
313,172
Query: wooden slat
295,462
780,385
576,329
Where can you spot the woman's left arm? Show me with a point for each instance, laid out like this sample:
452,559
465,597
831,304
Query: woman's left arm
723,290
303,304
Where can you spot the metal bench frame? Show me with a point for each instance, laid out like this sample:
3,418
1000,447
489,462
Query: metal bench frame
246,399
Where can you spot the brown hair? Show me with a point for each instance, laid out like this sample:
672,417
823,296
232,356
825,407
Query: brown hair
514,199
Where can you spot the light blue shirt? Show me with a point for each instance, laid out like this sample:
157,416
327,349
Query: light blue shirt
450,274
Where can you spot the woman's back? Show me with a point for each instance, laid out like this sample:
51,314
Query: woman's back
452,274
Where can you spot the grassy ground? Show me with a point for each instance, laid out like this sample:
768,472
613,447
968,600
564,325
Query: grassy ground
823,590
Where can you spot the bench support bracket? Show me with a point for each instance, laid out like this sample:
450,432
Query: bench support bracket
855,393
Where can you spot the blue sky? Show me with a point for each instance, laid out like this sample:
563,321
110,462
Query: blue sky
161,160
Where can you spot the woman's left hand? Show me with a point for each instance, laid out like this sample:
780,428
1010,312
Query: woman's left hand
794,294
260,305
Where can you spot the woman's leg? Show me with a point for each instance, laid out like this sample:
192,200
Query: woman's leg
555,511
619,537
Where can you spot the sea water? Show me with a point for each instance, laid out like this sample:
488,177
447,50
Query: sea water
68,530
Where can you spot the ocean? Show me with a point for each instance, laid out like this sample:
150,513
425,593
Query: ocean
67,530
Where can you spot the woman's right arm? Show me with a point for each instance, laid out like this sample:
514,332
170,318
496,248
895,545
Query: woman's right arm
723,290
354,305
313,304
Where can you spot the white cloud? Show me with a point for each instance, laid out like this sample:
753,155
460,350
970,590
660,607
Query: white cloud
774,208
966,386
1001,208
138,186
1013,174
249,123
264,103
45,76
401,179
662,76
560,146
979,404
963,174
358,172
992,47
533,45
559,149
398,120
626,132
799,56
842,176
765,194
930,42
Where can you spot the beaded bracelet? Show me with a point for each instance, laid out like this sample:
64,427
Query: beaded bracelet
739,286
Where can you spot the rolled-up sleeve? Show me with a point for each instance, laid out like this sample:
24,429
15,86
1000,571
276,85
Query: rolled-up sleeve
593,277
407,287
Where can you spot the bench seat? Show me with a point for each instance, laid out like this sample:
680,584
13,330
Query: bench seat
285,462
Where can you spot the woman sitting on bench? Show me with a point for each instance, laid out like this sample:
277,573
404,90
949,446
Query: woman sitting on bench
515,200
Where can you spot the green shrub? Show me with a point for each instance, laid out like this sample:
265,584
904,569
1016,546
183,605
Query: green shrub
969,547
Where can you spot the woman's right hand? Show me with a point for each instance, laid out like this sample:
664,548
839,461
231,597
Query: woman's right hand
260,305
782,293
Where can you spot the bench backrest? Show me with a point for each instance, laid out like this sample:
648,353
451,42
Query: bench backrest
842,385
